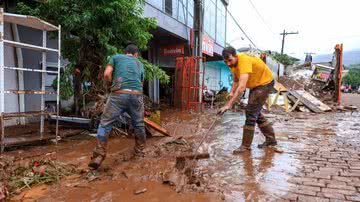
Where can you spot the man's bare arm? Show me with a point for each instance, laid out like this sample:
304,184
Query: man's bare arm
239,90
108,73
234,85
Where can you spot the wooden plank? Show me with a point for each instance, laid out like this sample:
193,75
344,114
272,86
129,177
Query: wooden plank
286,102
280,87
195,156
323,107
156,127
295,105
309,104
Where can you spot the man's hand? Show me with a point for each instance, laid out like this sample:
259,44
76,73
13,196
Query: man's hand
231,94
223,109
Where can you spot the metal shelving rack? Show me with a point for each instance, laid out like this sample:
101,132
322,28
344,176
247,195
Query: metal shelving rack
36,23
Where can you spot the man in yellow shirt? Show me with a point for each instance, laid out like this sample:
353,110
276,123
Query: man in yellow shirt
250,72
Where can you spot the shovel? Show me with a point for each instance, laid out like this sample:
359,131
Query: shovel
181,160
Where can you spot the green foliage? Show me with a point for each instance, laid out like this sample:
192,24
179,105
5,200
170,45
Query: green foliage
93,30
66,86
356,66
154,71
284,58
353,76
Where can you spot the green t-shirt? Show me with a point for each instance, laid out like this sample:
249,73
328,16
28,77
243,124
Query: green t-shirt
128,72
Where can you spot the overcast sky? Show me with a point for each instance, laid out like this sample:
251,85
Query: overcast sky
321,24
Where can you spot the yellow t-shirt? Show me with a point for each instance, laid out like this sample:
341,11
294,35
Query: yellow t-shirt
259,73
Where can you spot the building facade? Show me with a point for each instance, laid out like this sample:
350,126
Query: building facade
173,37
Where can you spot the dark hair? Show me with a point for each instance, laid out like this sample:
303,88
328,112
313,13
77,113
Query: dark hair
228,51
131,49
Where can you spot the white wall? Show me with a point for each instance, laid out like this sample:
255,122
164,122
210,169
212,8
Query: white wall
32,80
11,100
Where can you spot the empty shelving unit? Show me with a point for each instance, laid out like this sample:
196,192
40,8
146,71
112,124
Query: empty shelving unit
35,23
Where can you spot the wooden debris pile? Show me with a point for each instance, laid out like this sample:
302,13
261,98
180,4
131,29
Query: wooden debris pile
16,176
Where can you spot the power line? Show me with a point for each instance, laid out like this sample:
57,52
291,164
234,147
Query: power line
242,30
261,17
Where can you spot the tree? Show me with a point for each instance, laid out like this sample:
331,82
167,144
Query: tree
353,76
92,31
283,58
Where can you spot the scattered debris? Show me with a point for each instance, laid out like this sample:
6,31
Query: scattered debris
179,141
140,191
3,191
309,101
156,127
14,177
351,108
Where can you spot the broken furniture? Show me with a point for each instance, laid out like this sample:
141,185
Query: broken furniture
312,103
280,92
35,23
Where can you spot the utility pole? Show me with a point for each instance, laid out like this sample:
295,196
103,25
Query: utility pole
198,26
283,40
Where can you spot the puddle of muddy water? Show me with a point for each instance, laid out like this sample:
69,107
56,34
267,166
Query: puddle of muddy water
261,174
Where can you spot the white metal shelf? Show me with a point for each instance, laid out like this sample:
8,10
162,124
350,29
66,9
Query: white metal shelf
36,23
30,70
26,114
34,92
29,46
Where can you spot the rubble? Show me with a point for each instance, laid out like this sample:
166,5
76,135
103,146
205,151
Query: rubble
140,191
16,176
314,79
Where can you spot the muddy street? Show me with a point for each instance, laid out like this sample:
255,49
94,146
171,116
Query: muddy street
320,161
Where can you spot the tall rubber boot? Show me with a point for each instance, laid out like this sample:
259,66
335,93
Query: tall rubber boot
139,146
268,131
248,136
99,155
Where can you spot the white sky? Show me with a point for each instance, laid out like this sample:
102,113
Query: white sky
321,24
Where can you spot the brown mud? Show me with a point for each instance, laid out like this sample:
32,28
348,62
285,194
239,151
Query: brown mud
261,175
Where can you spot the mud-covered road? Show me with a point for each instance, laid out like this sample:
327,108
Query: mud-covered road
321,161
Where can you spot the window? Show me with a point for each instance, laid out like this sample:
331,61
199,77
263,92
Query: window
220,23
182,11
190,9
169,7
156,3
209,18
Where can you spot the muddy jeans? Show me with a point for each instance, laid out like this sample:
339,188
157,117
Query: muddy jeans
116,105
257,99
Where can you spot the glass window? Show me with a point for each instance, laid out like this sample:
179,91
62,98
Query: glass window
156,3
175,9
220,23
182,11
169,7
209,18
190,9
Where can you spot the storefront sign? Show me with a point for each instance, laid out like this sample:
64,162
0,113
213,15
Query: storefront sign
322,73
207,45
172,50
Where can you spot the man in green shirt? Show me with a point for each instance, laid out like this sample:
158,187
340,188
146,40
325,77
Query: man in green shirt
126,73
